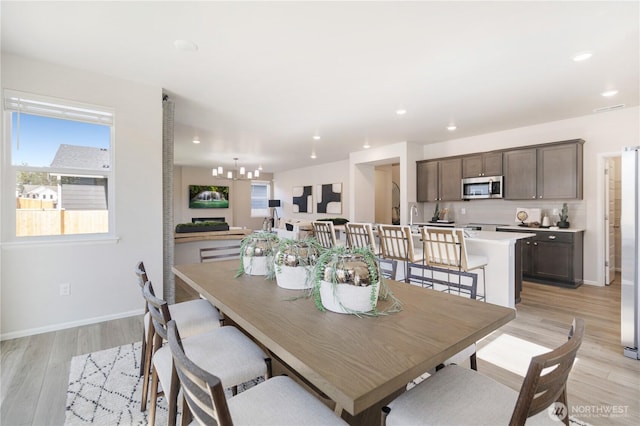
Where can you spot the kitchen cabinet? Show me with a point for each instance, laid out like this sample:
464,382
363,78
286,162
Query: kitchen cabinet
552,257
551,172
485,164
439,180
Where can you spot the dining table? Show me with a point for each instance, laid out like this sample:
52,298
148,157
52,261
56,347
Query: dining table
360,362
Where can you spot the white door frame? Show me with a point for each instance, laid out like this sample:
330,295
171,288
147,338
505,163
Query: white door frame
600,207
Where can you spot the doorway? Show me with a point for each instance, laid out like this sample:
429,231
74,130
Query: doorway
611,210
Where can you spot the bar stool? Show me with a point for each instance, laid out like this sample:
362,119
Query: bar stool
397,243
360,235
445,249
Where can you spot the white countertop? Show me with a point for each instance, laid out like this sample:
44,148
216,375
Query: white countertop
495,236
525,229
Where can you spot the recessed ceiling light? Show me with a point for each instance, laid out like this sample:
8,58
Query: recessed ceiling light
185,45
582,56
608,93
366,145
196,140
313,155
401,111
316,137
451,128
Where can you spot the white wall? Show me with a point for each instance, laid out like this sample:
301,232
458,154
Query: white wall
603,133
101,273
337,172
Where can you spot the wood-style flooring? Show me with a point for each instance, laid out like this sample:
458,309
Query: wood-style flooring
35,369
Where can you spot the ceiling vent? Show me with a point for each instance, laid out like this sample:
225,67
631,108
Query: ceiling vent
609,108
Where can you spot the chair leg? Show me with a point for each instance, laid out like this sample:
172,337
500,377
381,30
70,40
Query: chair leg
473,360
154,398
147,370
383,417
171,395
142,353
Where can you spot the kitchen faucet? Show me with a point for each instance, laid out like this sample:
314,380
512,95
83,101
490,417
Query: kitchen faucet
413,212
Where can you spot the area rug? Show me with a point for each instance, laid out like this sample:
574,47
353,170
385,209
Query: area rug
105,389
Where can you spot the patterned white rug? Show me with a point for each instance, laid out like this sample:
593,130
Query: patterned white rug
105,389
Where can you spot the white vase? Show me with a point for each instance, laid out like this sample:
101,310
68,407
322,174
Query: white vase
347,298
256,265
294,277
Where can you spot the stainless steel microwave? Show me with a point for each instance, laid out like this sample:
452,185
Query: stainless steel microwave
482,187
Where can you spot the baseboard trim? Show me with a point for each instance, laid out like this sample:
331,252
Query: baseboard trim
65,325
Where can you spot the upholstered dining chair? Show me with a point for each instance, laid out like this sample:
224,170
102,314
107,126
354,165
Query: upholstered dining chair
360,235
422,275
445,250
276,401
224,351
483,401
396,243
325,233
193,316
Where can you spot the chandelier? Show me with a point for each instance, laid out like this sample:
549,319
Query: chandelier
238,173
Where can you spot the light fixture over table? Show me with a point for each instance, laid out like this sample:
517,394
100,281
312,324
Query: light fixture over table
238,173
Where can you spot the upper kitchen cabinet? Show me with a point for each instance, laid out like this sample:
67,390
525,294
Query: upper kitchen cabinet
439,180
551,171
485,164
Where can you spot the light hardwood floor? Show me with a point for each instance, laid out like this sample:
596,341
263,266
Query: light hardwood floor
35,369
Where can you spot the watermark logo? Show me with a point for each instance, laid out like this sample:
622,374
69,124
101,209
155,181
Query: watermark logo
557,411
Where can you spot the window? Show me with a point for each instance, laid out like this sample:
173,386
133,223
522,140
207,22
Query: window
260,193
60,163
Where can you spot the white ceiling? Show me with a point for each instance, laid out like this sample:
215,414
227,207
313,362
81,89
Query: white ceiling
268,75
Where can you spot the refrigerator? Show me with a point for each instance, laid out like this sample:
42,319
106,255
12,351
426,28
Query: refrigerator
630,291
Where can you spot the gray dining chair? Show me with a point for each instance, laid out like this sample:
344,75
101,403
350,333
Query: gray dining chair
224,351
459,396
194,317
276,401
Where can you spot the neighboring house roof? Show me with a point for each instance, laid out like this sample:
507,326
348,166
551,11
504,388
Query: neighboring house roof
81,157
38,189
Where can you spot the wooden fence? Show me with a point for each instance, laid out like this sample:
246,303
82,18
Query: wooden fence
34,222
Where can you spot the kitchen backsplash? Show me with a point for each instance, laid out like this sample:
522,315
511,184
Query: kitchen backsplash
504,211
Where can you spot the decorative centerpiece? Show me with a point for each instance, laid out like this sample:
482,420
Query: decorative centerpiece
347,281
256,254
564,217
294,262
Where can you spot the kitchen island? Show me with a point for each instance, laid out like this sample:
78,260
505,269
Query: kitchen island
504,270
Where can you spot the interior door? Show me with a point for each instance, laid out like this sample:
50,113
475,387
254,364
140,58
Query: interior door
609,221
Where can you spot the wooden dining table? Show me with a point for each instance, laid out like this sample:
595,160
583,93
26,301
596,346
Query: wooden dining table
358,362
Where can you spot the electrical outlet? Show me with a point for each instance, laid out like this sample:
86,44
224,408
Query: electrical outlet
463,211
65,289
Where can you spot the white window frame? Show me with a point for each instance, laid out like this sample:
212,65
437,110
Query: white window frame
16,101
267,209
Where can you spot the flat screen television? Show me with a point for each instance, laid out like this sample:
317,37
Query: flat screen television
208,197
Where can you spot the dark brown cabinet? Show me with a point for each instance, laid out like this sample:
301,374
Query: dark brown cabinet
439,180
552,172
485,164
552,257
